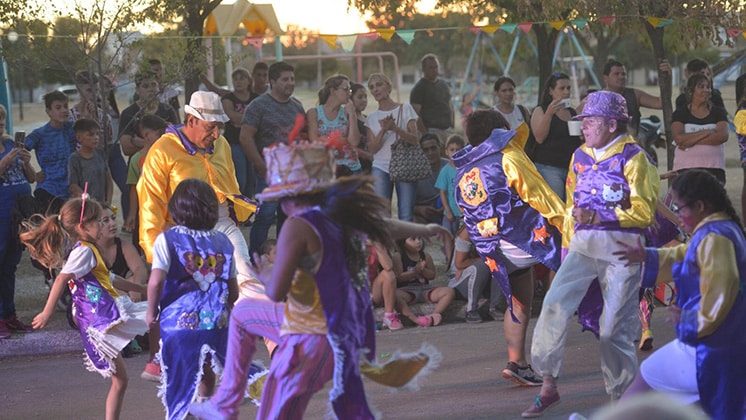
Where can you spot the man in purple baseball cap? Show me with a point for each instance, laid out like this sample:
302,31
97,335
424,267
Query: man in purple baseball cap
614,188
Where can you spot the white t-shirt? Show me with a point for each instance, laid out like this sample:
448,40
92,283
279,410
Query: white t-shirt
80,262
382,157
514,118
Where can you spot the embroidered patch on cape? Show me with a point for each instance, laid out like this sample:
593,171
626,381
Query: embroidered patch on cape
541,234
472,189
488,227
491,264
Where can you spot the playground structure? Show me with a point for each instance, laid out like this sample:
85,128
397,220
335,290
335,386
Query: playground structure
527,92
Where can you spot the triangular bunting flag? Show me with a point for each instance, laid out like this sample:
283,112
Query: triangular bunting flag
407,35
386,33
347,42
557,24
744,34
606,20
526,26
331,40
490,29
254,41
508,27
657,22
579,23
474,29
370,35
733,32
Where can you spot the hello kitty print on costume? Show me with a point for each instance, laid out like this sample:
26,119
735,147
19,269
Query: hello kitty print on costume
615,196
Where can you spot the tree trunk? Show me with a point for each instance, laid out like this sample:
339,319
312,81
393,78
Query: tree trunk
666,88
545,41
193,55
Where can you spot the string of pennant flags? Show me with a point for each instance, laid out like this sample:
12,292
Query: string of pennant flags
348,41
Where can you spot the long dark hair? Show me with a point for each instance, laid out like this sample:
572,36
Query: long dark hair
691,84
551,83
354,205
698,185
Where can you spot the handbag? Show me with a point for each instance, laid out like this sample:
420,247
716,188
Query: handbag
408,161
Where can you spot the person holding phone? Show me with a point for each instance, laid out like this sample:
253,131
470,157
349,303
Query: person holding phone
15,174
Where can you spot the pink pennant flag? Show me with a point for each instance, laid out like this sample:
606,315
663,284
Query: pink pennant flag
734,32
370,35
474,29
254,41
526,26
607,20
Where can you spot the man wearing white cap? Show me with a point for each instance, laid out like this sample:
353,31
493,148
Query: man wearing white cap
195,149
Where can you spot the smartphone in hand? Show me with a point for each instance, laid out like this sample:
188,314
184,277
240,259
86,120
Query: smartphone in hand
20,139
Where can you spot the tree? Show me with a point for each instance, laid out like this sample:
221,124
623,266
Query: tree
191,16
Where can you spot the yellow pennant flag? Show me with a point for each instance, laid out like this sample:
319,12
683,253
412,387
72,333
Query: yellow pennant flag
557,24
386,33
331,40
490,29
657,22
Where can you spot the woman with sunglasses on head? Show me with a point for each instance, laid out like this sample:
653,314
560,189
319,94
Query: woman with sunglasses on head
554,144
386,124
334,120
705,362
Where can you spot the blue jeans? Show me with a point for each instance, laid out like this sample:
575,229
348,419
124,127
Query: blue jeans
118,170
555,177
405,193
244,171
10,251
263,220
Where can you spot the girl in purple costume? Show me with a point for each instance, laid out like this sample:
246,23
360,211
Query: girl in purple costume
191,291
705,362
107,320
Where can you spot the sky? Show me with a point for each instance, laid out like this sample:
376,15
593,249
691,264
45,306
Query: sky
325,16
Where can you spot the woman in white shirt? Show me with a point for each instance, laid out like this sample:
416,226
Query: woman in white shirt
390,121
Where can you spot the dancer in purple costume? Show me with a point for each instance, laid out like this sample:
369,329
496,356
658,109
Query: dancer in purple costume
705,362
325,327
107,320
190,293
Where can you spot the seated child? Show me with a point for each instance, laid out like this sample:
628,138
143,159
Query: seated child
383,286
414,269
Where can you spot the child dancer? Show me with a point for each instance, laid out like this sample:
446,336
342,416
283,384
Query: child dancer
190,292
107,320
705,362
327,327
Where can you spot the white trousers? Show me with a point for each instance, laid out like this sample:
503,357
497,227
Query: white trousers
618,324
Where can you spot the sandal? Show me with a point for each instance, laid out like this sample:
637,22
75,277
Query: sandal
432,320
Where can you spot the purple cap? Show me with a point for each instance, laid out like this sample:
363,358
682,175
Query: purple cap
605,104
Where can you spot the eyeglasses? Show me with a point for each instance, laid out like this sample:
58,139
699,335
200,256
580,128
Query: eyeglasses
677,209
346,88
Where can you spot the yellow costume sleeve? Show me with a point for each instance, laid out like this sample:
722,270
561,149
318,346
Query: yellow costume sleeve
666,258
568,228
740,122
718,282
522,176
644,182
153,193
